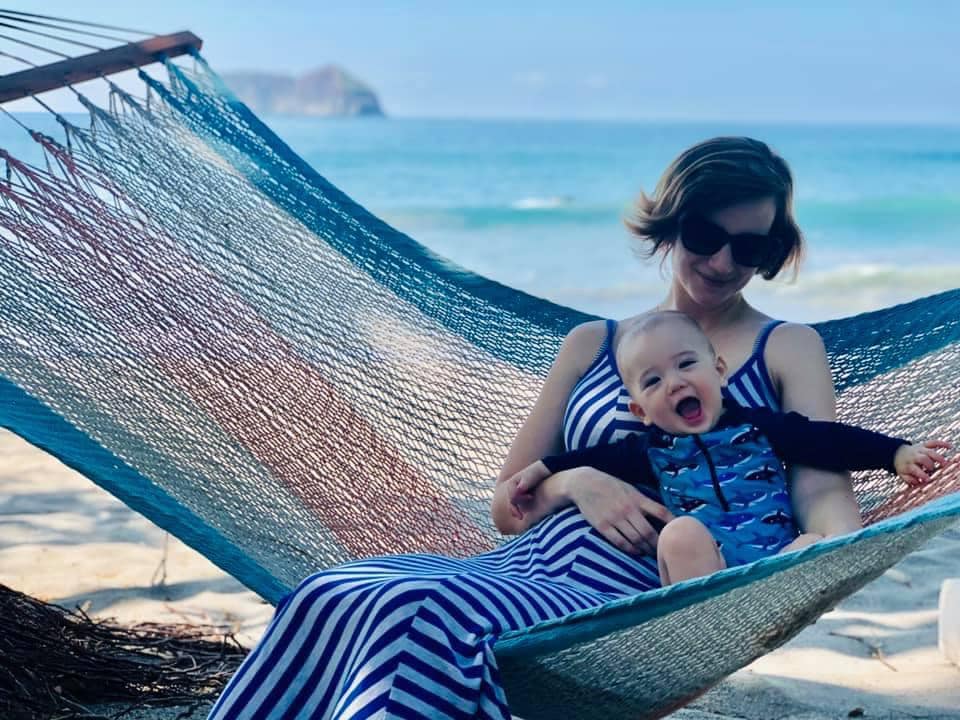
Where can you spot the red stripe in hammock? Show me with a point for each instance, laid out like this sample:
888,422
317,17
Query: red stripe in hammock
946,481
313,441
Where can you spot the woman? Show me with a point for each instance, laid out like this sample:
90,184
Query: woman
413,636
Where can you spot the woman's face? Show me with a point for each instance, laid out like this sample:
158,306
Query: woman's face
712,280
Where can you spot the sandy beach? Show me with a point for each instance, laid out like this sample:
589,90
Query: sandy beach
64,540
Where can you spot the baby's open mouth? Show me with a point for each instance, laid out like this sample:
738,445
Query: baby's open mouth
690,409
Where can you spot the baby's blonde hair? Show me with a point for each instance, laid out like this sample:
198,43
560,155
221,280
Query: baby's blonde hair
644,324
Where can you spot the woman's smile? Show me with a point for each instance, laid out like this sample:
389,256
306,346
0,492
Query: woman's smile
718,280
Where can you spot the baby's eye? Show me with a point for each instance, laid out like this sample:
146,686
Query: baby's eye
687,363
650,382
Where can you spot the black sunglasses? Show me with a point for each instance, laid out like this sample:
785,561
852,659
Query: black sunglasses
702,237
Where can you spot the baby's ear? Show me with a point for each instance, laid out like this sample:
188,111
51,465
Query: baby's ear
638,412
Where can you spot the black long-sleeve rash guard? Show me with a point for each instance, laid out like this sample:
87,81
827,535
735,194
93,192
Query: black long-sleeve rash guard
794,438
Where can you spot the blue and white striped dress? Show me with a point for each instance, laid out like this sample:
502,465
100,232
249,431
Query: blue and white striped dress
411,636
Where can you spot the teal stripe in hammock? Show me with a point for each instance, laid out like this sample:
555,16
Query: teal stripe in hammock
896,336
456,296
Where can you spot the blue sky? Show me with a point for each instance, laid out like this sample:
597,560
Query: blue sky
860,62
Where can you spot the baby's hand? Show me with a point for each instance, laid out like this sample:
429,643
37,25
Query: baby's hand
522,486
916,463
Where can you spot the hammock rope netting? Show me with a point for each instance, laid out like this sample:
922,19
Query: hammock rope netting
200,323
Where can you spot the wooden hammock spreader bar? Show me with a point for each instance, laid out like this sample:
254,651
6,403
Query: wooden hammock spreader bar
87,67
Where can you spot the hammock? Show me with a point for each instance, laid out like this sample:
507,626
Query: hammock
201,324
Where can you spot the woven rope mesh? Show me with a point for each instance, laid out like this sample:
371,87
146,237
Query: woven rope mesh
656,659
198,321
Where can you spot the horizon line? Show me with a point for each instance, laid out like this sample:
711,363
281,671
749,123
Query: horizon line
925,123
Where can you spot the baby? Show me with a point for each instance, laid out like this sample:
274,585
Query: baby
718,466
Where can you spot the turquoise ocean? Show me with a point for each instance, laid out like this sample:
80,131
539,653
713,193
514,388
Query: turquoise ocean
538,205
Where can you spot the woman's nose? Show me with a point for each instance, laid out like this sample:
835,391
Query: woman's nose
722,260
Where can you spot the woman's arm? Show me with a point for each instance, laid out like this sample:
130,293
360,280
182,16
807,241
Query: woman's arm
823,501
542,432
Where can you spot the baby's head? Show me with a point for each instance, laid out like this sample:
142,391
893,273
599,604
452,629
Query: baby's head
674,376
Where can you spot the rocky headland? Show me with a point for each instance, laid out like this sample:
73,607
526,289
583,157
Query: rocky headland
326,91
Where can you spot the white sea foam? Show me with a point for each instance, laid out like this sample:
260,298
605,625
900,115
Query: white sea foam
838,292
871,278
549,202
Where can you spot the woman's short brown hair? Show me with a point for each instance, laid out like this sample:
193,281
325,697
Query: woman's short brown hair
713,175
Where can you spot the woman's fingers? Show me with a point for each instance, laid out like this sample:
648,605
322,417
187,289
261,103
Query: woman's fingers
619,540
646,533
651,508
518,490
622,538
523,483
635,524
520,501
637,518
633,542
637,537
620,512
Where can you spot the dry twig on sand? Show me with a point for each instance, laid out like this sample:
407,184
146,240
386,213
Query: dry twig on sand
55,662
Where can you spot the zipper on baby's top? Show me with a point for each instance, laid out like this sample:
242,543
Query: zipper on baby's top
713,473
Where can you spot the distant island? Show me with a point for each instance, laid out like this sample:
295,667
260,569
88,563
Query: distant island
326,91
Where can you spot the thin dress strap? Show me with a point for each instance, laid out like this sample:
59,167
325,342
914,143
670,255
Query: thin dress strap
597,411
751,385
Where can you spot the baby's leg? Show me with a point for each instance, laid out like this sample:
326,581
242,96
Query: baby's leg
802,541
685,550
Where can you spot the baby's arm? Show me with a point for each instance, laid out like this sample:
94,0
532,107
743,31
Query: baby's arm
522,485
625,459
837,446
916,463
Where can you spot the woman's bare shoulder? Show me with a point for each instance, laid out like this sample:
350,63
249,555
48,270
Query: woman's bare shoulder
795,340
797,362
583,342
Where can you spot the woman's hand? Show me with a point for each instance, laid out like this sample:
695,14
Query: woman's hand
916,463
617,510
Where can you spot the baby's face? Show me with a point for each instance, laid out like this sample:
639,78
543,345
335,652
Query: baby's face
675,380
